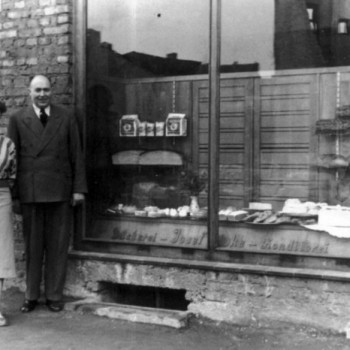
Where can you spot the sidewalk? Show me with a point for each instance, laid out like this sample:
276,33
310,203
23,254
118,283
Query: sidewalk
75,330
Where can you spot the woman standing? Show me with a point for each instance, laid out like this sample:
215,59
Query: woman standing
7,176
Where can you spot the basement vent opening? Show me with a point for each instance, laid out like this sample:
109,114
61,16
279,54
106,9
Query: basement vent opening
154,297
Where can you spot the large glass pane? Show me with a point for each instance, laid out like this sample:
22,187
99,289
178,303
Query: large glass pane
284,122
143,58
142,38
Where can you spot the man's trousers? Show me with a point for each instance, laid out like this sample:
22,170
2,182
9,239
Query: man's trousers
46,228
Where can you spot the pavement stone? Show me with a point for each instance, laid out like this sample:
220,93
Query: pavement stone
170,318
78,328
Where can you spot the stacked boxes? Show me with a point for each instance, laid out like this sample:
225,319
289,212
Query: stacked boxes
175,126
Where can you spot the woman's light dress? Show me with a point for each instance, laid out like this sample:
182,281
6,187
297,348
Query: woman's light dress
7,177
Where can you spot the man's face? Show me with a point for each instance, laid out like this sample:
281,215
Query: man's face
40,91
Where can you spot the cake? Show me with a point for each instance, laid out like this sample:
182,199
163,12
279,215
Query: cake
294,206
334,216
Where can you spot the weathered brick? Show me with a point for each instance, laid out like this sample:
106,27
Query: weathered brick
32,61
49,11
8,34
21,61
46,21
7,4
17,14
59,69
21,25
38,12
30,4
63,19
20,82
56,30
19,4
7,71
32,42
7,42
63,59
63,39
6,82
15,92
19,102
29,32
8,24
45,40
8,63
32,23
43,3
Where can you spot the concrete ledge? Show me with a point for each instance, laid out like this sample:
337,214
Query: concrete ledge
330,275
162,317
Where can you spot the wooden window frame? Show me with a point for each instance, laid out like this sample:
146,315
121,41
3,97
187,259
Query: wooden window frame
79,81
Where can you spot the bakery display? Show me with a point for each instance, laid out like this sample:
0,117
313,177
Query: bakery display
294,211
336,216
237,215
295,207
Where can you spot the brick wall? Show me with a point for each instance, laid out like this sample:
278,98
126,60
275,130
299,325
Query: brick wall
35,38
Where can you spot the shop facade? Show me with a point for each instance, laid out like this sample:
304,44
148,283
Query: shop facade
216,136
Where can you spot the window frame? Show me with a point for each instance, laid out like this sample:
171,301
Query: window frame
79,97
214,82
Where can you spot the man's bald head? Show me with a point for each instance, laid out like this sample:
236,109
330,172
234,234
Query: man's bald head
40,91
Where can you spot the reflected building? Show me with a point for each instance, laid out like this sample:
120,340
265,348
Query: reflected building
141,65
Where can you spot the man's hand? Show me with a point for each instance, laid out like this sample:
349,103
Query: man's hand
78,198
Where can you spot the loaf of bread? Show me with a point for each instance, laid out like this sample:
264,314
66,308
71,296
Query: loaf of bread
260,206
237,215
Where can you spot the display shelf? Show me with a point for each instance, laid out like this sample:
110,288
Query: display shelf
333,126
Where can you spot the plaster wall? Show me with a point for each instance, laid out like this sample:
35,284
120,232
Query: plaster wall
236,298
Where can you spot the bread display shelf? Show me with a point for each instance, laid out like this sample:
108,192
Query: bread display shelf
299,215
333,126
332,161
147,158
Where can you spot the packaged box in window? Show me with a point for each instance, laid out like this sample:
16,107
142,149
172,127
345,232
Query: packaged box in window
159,128
176,125
142,128
149,129
128,125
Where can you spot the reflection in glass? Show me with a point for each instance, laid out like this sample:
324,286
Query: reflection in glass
146,60
141,59
273,164
140,38
284,34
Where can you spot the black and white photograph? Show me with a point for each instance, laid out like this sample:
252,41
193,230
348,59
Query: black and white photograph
175,174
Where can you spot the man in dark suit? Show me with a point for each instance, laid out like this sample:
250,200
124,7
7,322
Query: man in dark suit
50,180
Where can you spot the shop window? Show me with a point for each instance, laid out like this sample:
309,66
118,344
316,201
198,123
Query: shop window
160,172
277,157
141,59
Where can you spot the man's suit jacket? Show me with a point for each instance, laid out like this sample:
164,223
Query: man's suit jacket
50,161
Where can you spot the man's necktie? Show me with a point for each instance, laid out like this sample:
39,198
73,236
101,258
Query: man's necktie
43,116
